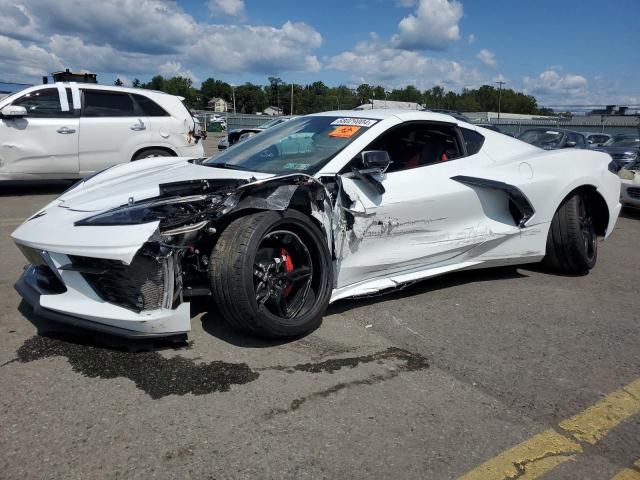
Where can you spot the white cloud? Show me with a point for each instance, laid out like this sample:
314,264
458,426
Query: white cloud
138,37
175,69
433,26
487,57
230,8
471,38
19,61
552,82
376,62
241,48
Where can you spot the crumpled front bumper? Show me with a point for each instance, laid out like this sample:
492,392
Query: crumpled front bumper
81,308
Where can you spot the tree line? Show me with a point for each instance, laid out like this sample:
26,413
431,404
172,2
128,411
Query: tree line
317,97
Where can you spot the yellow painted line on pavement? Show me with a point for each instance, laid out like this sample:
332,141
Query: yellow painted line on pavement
539,454
546,450
595,422
628,473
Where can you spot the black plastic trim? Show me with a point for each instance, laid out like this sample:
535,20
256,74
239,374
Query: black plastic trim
27,286
516,195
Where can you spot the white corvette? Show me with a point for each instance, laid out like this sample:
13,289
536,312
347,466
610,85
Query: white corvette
320,208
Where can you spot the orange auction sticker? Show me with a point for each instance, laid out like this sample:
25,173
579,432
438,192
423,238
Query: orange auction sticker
344,131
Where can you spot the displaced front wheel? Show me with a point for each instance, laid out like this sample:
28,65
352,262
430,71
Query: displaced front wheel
572,243
271,274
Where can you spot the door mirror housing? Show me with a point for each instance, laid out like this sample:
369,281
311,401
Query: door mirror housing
375,161
13,111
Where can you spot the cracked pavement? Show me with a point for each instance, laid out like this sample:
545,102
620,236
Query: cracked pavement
428,382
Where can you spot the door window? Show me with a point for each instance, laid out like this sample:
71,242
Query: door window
107,104
45,103
148,107
419,144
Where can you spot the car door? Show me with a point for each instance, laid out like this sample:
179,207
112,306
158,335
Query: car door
45,142
112,129
423,218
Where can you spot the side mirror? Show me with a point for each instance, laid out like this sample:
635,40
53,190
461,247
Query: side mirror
570,144
375,161
13,111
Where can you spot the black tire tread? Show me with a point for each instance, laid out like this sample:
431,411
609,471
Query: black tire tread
565,248
227,275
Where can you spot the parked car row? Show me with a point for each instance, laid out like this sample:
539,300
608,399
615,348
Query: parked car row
238,134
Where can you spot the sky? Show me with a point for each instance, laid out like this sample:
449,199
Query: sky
567,53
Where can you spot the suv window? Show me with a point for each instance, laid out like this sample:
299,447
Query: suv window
418,144
99,103
148,107
45,103
473,141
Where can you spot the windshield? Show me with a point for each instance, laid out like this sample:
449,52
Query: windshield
541,138
624,141
300,145
272,123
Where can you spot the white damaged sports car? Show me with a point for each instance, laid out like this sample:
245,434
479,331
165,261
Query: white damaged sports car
322,207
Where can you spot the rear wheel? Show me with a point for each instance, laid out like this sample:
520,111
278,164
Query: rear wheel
152,152
572,243
271,274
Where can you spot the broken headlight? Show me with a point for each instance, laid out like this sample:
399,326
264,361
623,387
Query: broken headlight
170,212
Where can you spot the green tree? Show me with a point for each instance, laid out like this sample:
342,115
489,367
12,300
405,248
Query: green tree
118,82
136,83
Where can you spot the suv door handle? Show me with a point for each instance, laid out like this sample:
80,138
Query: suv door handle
65,130
138,126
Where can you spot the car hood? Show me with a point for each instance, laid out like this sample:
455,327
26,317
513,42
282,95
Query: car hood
140,180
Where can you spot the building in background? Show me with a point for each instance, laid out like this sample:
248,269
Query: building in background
389,104
218,104
272,111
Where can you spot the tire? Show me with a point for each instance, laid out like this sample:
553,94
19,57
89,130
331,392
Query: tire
254,269
151,152
572,244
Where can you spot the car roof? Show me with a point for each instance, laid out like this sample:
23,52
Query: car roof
384,113
97,86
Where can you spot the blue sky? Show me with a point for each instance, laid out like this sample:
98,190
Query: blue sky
566,52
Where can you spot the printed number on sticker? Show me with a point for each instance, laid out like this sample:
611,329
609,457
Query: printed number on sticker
356,122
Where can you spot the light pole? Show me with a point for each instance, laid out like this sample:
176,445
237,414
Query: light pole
291,112
500,83
233,93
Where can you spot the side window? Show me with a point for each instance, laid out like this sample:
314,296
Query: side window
45,103
473,141
99,103
418,144
148,107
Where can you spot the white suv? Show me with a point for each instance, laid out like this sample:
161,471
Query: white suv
69,130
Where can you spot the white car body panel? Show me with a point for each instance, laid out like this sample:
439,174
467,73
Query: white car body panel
426,223
33,148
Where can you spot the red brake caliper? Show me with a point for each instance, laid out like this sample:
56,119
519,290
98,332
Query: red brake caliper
288,267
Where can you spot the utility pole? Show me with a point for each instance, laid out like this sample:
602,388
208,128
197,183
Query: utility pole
291,113
500,83
233,91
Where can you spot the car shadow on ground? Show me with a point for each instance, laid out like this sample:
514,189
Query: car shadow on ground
429,285
34,187
631,213
214,324
78,336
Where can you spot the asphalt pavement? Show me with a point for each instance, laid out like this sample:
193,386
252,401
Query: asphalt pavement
503,373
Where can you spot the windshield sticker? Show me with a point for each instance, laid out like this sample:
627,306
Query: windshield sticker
345,131
355,122
296,166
